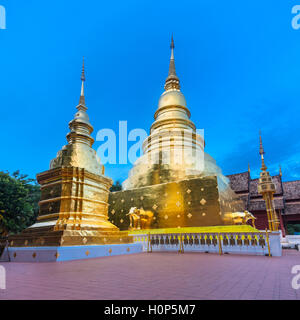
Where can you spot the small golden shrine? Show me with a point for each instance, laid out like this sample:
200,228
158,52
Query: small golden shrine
74,194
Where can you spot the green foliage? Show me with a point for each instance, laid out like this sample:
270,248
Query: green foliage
116,187
292,228
19,198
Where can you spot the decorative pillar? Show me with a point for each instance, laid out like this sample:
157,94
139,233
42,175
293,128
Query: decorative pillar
266,188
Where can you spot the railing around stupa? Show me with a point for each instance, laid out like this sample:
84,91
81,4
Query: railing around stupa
254,243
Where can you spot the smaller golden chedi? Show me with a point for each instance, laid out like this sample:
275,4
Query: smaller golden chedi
74,194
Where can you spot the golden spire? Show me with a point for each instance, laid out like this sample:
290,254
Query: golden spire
82,72
172,81
172,70
280,172
248,167
266,188
82,99
80,126
262,152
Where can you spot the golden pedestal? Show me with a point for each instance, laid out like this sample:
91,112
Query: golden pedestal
193,202
73,211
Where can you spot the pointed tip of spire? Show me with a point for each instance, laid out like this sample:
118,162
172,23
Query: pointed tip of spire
82,98
280,171
172,81
172,42
261,148
262,152
82,72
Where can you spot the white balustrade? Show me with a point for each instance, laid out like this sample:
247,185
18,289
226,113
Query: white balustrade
258,243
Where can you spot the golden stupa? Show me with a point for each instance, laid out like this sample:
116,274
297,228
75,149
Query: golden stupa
174,183
74,194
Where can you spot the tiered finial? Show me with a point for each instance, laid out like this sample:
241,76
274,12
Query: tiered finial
82,98
172,81
266,188
80,126
261,148
82,72
262,152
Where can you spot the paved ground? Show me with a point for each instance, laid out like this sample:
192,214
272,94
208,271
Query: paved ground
155,276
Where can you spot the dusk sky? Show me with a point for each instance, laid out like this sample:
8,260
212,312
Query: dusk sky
238,63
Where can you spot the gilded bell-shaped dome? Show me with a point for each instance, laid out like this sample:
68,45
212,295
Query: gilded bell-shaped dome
172,98
174,150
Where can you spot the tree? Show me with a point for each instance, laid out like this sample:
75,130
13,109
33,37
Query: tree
293,228
116,187
19,198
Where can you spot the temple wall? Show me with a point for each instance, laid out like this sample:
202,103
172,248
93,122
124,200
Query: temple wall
186,203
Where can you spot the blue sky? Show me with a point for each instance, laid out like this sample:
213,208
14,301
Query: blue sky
238,62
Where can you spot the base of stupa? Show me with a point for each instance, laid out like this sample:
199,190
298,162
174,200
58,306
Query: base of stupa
209,229
39,237
67,253
194,202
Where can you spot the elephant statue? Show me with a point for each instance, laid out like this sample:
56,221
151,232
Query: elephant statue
139,218
134,219
146,219
239,218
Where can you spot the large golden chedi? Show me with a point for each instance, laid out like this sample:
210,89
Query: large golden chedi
174,178
74,194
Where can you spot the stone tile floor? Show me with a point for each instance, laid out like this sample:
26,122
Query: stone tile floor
156,276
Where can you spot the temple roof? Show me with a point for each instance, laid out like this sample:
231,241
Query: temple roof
292,208
239,182
260,205
287,195
291,190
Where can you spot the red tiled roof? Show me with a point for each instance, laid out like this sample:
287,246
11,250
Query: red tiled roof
292,208
291,190
260,205
239,181
287,194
